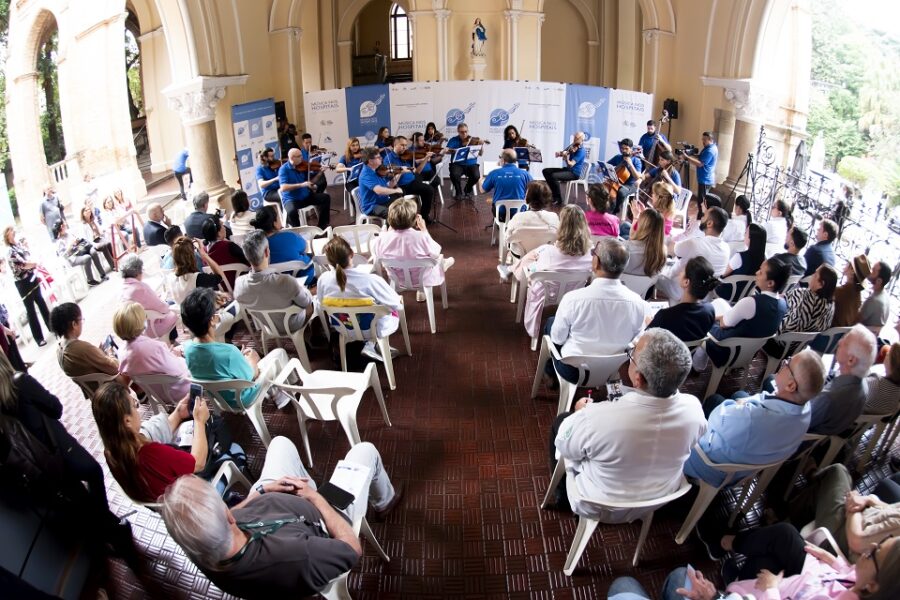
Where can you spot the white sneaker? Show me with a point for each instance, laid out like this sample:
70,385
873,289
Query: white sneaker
504,272
371,351
420,297
449,262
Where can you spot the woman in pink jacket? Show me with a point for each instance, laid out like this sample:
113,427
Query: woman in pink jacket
135,290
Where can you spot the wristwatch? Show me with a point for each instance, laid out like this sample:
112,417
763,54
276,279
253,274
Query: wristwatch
260,489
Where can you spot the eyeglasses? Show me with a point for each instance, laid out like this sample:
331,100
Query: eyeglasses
629,352
787,364
873,552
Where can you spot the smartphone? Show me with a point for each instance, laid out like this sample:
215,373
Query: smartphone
196,392
337,497
108,344
688,583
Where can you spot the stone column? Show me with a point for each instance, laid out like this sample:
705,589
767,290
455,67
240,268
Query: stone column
593,53
512,17
195,101
345,52
540,26
442,15
724,130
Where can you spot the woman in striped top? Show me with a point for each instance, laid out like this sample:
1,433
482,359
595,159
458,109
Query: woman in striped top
883,395
810,308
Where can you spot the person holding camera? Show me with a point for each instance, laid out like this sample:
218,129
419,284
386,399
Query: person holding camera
78,252
705,162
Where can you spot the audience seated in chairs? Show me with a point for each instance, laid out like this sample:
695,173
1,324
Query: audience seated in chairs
662,199
408,239
156,225
634,447
848,297
97,235
186,279
746,262
193,223
780,221
796,241
144,355
571,252
135,290
241,215
692,318
209,359
822,251
599,219
508,182
647,245
535,216
842,400
709,245
602,318
763,428
274,544
693,225
143,456
809,308
220,249
883,391
77,357
284,246
752,317
172,235
263,289
347,286
740,219
78,252
39,412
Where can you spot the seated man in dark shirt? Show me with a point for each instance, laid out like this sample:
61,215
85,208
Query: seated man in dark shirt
796,241
274,544
193,223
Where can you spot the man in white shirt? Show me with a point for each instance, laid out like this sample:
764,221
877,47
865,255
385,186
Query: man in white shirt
633,448
601,318
710,246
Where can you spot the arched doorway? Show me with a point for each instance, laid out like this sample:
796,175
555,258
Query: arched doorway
134,82
52,138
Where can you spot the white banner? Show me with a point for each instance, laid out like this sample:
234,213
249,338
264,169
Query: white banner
544,113
412,107
628,115
326,121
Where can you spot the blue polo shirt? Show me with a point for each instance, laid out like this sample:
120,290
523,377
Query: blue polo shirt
508,182
392,159
180,165
454,143
288,174
675,175
578,156
349,163
708,157
368,199
264,172
646,143
618,159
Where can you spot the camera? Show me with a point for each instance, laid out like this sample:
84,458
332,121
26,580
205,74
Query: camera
687,149
219,213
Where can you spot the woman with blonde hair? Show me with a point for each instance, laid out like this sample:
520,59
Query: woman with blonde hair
347,286
143,355
571,252
408,239
662,199
647,245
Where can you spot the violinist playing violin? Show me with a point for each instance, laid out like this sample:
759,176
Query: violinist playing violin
573,162
351,157
628,168
267,175
468,167
429,166
410,182
307,149
298,192
665,171
376,192
512,139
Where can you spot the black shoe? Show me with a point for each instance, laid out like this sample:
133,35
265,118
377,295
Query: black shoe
710,539
730,570
42,343
93,282
104,277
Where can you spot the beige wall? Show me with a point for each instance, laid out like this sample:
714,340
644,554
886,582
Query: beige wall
564,43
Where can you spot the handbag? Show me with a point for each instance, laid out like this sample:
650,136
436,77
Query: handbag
80,248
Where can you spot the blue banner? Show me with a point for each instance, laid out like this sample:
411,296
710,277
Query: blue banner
254,128
587,110
368,110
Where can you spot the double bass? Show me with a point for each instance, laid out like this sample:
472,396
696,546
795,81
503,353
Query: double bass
653,156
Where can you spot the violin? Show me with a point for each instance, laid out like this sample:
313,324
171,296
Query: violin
274,164
476,141
573,147
389,171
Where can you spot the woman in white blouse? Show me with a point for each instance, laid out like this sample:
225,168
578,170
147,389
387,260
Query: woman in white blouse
537,198
242,215
780,220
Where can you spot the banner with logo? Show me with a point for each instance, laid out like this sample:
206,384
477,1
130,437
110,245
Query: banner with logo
254,128
326,121
587,109
368,110
412,107
542,112
457,102
628,115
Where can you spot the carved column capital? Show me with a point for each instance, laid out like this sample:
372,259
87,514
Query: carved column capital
442,15
512,16
196,100
751,101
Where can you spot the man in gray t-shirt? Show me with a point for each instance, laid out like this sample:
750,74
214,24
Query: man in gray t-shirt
52,211
876,310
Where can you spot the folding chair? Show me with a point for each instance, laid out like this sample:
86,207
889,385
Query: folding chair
741,287
582,180
792,342
158,389
275,324
554,285
639,284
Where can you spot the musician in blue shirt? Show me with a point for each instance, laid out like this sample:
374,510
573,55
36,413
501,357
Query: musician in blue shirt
306,149
664,171
706,164
573,163
626,158
409,182
267,177
512,139
650,138
180,169
468,167
375,192
296,192
431,164
351,157
508,182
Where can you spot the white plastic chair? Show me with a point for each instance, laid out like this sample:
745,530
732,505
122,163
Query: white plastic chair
341,179
812,441
832,336
228,470
792,282
90,382
498,227
309,233
582,180
792,342
403,275
524,240
214,390
731,470
555,285
587,525
639,284
359,237
350,329
361,217
741,287
593,372
275,325
862,424
329,396
237,268
158,389
238,238
735,247
290,267
741,351
152,315
337,588
681,202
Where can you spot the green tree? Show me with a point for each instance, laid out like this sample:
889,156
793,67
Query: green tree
48,80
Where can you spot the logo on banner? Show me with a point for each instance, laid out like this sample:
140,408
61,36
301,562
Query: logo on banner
269,124
368,108
587,110
456,116
500,117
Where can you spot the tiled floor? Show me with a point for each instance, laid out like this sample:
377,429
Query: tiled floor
467,439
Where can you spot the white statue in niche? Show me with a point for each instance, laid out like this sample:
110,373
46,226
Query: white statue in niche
479,37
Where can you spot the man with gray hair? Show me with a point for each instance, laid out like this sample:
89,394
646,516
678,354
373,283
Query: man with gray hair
633,448
763,428
263,289
156,225
285,540
601,318
160,318
193,223
508,182
843,399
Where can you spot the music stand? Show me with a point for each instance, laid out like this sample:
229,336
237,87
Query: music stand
523,157
355,172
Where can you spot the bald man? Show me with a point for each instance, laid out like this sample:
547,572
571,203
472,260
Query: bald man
298,192
508,182
156,225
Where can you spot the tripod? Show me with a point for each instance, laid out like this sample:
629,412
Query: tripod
746,171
